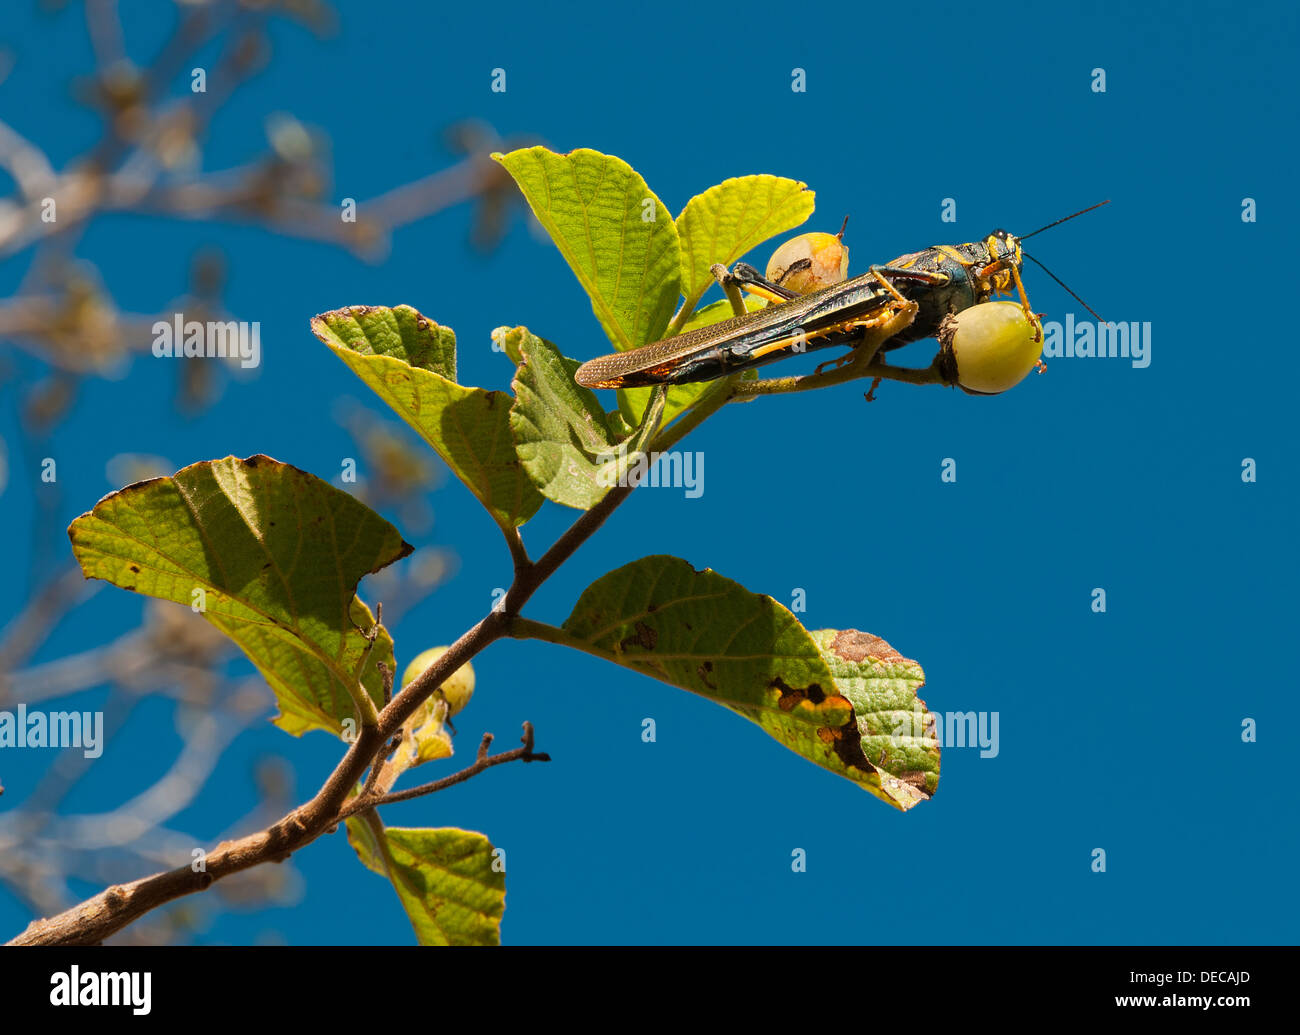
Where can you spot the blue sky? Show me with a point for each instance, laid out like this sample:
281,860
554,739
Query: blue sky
1119,731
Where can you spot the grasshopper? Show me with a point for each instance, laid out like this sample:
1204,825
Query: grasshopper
940,280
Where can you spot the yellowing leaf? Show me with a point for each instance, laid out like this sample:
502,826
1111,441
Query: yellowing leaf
728,220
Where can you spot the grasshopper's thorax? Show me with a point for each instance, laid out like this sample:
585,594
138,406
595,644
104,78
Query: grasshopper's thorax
988,263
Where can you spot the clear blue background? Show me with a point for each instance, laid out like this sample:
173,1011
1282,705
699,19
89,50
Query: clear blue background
1120,731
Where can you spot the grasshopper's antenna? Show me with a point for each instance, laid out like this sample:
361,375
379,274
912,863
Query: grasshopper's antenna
1049,226
1063,283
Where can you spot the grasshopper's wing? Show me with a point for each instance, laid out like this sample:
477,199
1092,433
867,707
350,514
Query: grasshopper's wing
656,361
810,314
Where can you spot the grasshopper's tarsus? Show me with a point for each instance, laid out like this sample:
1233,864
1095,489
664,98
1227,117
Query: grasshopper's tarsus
837,362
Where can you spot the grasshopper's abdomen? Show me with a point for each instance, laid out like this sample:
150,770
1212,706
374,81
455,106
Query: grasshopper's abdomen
936,302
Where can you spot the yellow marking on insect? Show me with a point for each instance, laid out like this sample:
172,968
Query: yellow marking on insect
762,292
777,346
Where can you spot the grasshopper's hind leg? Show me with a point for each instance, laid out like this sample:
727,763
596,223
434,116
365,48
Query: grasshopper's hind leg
875,331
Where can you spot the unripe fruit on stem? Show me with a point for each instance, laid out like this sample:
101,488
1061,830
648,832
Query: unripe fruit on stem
459,686
989,348
809,262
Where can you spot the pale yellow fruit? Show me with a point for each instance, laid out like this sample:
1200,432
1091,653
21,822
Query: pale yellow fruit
809,262
458,688
992,345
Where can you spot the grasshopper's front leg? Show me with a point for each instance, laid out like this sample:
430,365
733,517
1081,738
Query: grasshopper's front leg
745,278
984,272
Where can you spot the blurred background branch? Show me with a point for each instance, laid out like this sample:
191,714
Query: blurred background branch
153,157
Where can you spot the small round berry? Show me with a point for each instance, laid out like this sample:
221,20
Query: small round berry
990,347
809,262
458,688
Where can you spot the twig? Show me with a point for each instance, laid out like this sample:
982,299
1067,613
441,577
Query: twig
518,554
931,375
483,761
379,761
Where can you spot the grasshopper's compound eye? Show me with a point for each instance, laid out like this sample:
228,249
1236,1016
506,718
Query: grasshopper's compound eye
990,347
809,262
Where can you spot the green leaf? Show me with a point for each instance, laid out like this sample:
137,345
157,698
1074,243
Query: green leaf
468,427
835,698
277,553
632,401
593,206
400,332
443,877
707,634
568,445
726,221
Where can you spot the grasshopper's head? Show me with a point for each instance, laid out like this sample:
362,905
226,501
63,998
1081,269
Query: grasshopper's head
1004,255
1003,244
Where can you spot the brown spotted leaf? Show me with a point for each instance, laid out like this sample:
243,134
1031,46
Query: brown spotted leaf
890,748
840,700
